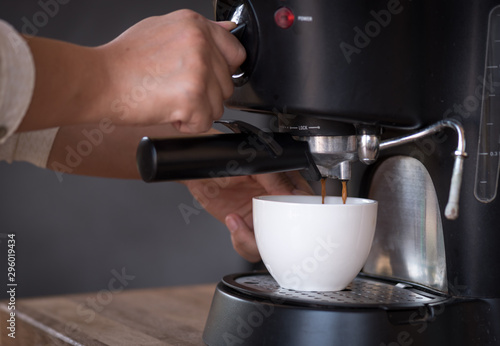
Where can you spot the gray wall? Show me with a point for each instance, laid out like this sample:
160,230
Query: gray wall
72,235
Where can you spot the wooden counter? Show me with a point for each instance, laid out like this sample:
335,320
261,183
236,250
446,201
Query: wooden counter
165,316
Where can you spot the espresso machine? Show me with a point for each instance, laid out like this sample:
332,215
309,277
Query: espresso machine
398,97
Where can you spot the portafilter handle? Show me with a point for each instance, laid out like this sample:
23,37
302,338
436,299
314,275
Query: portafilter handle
250,151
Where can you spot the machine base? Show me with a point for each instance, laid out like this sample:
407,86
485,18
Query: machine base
251,309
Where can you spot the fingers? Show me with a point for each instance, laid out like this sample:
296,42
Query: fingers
229,46
221,54
243,238
284,183
301,185
198,103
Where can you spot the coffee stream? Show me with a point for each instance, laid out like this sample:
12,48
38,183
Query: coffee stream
344,191
323,190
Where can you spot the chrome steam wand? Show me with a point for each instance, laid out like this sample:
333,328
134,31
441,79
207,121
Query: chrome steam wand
451,210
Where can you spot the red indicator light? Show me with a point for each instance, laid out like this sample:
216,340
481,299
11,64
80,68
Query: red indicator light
284,17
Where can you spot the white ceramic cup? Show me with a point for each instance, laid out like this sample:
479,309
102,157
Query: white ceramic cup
309,246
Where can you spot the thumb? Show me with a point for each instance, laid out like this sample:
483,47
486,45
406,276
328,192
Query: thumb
243,238
226,25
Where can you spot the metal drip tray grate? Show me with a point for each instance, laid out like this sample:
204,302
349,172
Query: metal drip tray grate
362,291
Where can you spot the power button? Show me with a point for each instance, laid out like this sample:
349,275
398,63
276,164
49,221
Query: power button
284,17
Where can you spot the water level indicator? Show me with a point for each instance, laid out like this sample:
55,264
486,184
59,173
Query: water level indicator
488,155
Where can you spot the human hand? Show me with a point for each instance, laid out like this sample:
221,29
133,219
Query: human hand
173,69
230,201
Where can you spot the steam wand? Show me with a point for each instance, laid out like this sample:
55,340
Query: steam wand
451,210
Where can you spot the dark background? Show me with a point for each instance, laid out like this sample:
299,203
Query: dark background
71,235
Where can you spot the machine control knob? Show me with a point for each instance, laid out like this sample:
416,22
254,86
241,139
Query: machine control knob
247,32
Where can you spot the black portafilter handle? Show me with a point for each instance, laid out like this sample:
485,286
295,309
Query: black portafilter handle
222,155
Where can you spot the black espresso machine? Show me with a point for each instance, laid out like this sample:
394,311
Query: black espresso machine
384,94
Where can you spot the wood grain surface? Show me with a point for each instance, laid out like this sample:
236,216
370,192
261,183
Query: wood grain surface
165,316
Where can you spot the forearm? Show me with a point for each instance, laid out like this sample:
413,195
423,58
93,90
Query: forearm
70,85
104,150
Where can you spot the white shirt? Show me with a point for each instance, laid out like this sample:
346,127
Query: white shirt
17,81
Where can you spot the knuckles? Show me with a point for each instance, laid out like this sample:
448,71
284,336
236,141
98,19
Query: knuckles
188,76
186,14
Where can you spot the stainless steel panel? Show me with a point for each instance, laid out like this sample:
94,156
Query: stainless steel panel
408,241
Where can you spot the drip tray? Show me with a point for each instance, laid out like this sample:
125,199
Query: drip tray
362,292
251,309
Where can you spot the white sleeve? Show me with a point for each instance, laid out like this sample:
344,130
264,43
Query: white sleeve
17,79
33,147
